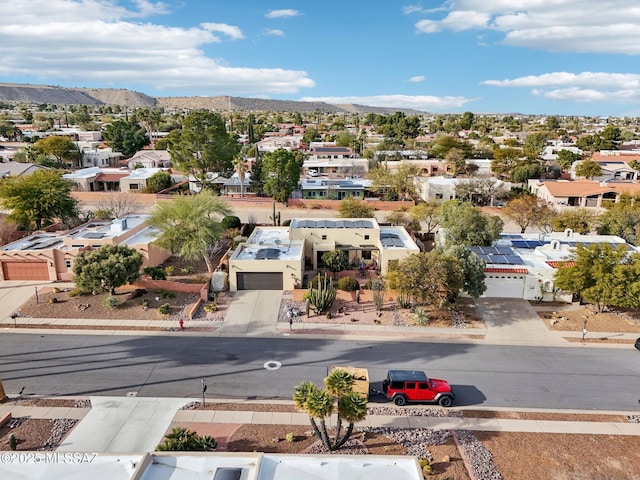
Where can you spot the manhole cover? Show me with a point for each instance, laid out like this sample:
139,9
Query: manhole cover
132,394
272,365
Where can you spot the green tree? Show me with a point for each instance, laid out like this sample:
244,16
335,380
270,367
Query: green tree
180,439
467,225
106,268
190,226
335,261
589,169
150,119
427,215
125,136
203,146
534,145
455,159
37,200
472,269
603,275
524,210
352,208
257,183
622,219
397,183
61,148
525,170
434,278
280,173
337,396
481,191
566,158
580,220
345,139
466,121
158,181
504,160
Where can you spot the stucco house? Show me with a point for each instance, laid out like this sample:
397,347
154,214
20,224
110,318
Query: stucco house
333,189
50,256
275,258
581,193
524,265
150,159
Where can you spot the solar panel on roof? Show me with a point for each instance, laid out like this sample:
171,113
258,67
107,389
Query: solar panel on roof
504,250
514,260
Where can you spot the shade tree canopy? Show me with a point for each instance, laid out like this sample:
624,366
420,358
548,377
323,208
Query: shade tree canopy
106,268
280,173
467,225
36,201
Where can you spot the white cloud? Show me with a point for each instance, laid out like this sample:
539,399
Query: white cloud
409,9
230,30
559,25
82,42
585,87
273,32
284,13
146,8
417,102
417,79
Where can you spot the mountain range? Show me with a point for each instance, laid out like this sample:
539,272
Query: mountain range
55,95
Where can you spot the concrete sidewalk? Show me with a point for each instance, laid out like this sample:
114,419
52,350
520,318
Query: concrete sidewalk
121,424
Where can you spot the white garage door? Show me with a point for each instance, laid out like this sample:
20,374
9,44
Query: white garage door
504,286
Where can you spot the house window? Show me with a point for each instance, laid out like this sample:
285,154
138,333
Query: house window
77,246
134,186
366,254
366,237
323,193
68,263
438,196
324,237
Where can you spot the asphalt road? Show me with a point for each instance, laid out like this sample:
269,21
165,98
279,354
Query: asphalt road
173,366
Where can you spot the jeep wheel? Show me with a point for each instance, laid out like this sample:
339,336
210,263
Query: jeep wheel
400,400
445,401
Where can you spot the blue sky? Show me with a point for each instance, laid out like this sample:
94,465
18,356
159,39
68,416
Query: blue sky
565,57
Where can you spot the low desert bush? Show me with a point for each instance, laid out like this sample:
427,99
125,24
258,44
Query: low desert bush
156,273
420,316
348,284
165,309
110,302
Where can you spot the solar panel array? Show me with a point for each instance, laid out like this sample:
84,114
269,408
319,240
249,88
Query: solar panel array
391,240
497,255
527,243
332,224
268,254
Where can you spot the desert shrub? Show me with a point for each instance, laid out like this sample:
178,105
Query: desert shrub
156,273
212,307
145,302
348,284
167,294
13,442
186,270
181,439
403,300
165,309
110,302
169,270
53,300
56,290
230,221
367,285
77,292
317,279
290,437
137,293
420,316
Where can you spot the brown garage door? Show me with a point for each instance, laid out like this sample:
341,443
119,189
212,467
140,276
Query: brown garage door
25,270
260,281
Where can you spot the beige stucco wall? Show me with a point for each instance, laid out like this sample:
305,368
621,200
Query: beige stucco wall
292,270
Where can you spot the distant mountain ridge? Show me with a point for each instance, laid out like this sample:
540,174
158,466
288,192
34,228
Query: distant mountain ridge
54,95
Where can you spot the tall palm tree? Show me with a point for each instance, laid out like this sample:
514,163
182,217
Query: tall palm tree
320,404
241,167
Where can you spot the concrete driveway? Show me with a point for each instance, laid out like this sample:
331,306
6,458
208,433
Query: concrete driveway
13,293
253,313
513,321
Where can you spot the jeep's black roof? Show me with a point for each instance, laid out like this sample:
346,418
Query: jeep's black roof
406,375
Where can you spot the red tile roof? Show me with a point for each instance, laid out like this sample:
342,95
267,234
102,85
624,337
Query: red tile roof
560,264
110,177
505,270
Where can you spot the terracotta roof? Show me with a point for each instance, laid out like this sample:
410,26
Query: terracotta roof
560,264
584,188
110,177
505,270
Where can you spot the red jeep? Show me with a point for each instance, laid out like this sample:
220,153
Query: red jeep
403,386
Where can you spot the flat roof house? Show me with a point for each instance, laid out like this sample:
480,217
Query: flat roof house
275,258
50,256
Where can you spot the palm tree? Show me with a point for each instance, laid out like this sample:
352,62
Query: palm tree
320,404
190,225
241,167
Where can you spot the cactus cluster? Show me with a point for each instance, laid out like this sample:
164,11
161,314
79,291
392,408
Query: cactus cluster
321,298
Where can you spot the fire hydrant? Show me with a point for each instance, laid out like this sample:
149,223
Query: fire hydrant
181,323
